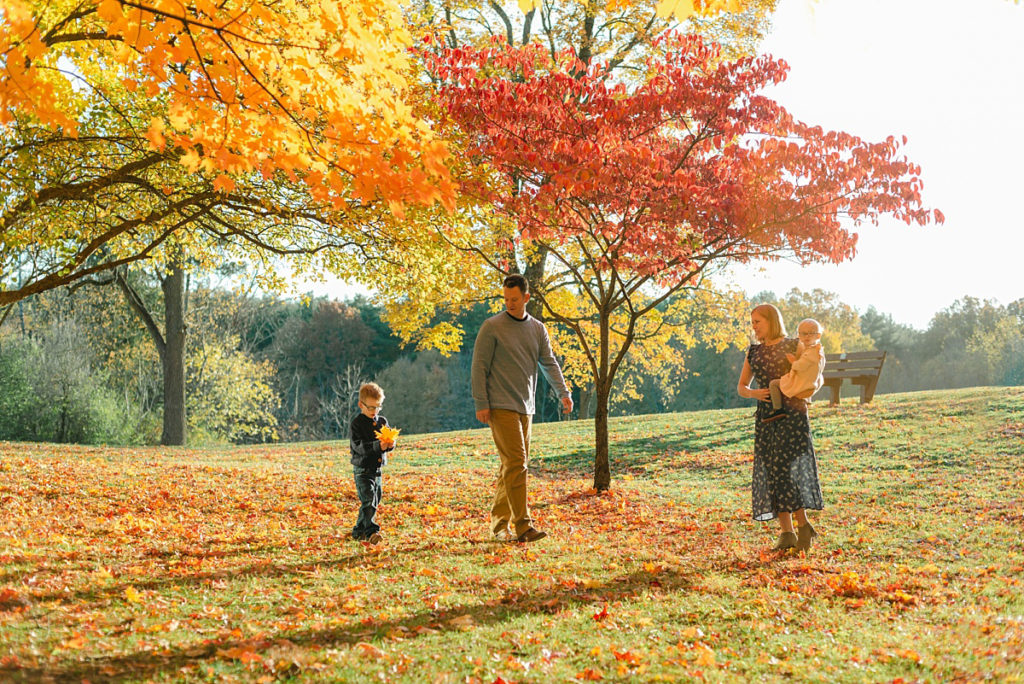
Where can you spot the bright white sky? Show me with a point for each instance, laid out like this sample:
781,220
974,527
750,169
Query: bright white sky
950,76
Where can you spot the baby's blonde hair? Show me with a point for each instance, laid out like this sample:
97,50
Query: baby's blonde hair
818,327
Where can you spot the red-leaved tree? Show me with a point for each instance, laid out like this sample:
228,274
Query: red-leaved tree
635,192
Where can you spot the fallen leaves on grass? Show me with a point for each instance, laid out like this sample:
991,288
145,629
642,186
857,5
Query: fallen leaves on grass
237,563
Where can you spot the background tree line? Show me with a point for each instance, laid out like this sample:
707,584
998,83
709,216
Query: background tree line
78,365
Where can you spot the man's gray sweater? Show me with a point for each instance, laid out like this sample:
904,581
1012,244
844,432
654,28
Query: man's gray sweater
506,356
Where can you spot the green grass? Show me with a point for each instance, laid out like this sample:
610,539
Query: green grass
234,564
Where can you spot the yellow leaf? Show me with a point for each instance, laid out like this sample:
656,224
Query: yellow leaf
132,595
177,115
681,9
387,433
109,10
190,160
706,658
223,183
527,5
155,134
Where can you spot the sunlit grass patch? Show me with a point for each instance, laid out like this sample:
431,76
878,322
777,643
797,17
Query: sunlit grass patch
235,564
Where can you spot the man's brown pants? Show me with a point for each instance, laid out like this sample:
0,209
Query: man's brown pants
511,432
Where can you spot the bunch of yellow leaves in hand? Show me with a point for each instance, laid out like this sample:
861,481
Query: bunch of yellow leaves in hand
387,434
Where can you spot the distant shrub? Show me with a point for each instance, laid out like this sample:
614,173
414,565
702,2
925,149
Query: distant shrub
49,392
229,395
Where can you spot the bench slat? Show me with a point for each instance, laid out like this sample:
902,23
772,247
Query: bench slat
852,366
839,375
856,355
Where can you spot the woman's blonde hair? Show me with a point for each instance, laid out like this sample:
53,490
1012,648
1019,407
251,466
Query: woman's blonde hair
776,328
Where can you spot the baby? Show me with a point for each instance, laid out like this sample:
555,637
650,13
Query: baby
805,375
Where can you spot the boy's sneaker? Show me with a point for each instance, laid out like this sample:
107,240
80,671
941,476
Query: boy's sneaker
774,415
531,535
375,538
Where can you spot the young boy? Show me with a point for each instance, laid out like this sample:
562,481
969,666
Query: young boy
804,377
369,455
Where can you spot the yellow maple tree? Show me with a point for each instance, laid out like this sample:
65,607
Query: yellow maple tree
303,114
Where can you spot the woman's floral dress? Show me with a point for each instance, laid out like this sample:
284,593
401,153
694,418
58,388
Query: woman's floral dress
785,477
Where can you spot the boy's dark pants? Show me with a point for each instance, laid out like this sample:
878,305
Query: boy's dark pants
369,491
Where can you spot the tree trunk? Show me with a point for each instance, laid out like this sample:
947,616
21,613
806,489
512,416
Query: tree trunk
602,466
173,286
586,399
602,388
535,276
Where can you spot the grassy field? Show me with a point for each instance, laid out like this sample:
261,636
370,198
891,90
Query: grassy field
234,564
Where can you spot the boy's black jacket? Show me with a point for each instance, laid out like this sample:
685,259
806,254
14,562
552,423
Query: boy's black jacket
364,445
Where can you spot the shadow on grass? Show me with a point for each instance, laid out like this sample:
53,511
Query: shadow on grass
636,452
706,463
256,568
553,600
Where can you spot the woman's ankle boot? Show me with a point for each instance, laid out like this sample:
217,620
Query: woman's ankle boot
787,540
804,535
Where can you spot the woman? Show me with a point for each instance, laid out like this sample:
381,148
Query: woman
785,478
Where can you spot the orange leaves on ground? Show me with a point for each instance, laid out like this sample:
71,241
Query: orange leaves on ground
463,622
240,653
885,655
369,650
627,657
705,657
590,674
852,584
75,642
9,599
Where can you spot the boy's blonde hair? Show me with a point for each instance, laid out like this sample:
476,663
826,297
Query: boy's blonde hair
370,390
776,328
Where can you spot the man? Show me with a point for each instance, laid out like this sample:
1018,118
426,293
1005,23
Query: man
508,351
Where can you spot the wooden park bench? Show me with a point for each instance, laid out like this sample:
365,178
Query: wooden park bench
860,368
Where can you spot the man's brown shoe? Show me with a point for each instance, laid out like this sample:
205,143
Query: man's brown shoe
531,535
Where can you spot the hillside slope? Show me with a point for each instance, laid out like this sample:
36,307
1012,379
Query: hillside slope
234,564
